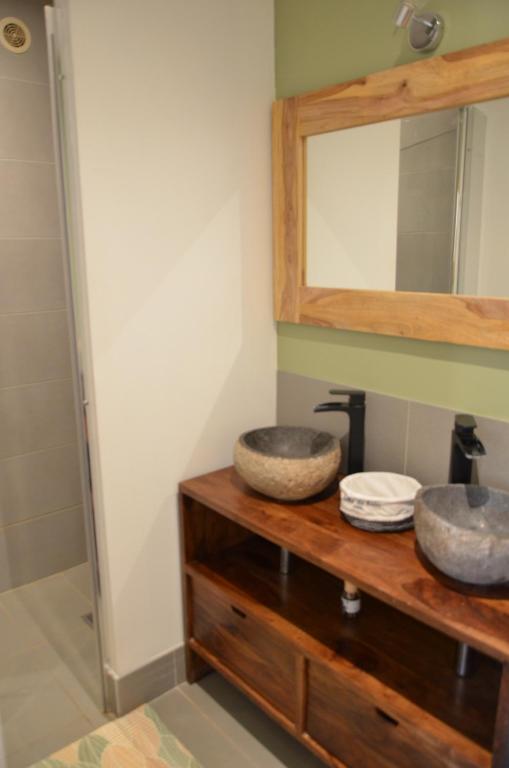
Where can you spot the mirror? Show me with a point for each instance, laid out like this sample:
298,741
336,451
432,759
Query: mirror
379,240
415,204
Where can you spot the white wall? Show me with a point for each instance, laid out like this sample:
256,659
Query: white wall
352,207
173,116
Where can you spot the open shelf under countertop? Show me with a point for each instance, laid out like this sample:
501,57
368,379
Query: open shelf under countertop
383,565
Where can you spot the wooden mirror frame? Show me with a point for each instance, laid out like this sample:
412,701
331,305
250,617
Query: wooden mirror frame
453,80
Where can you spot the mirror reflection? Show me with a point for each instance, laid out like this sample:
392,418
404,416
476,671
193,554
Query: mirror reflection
418,204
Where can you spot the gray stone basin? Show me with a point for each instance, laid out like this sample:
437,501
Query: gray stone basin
287,463
464,531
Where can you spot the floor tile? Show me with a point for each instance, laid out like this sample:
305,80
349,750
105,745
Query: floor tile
88,705
213,719
33,705
58,608
53,604
198,733
254,733
51,742
81,578
18,631
49,681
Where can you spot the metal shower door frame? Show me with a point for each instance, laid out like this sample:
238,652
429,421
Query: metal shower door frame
68,185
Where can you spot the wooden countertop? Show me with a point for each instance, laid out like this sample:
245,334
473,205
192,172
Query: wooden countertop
384,565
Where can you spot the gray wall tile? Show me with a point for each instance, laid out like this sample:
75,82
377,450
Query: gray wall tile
426,201
493,469
386,420
38,483
34,347
36,477
30,209
40,547
436,152
424,262
421,128
298,395
429,443
401,436
32,65
36,417
31,275
296,398
26,134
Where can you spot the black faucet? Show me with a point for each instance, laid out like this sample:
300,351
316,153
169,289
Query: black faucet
465,447
355,407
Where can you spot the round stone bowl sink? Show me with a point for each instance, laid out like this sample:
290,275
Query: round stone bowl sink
464,531
287,463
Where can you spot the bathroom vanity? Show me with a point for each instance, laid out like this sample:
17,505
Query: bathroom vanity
376,690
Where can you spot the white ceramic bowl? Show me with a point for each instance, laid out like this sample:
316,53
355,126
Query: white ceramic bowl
378,496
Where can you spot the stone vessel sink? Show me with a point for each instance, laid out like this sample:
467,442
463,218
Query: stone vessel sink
287,463
464,531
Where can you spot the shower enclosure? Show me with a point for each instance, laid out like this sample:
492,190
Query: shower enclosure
51,689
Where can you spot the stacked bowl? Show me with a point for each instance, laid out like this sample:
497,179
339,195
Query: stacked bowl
378,501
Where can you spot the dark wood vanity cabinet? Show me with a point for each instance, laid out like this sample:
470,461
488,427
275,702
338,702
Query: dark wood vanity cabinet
376,691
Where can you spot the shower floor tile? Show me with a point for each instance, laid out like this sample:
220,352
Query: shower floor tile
49,683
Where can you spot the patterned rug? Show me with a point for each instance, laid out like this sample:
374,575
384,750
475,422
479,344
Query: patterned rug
138,740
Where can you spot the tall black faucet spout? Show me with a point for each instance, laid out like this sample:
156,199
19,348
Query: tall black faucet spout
322,407
465,448
355,407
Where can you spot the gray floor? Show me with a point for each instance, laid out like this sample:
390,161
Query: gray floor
49,689
223,729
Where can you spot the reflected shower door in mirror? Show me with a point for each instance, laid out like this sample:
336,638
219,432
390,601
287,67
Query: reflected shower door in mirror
418,204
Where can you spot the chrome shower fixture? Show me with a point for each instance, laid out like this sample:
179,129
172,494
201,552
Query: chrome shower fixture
425,29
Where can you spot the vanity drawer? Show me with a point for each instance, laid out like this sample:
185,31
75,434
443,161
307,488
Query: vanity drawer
254,652
348,724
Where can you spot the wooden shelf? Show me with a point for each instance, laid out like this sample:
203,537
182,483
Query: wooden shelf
405,655
377,690
382,565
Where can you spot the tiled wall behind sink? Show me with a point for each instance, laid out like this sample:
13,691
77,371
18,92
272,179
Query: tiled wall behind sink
41,525
401,436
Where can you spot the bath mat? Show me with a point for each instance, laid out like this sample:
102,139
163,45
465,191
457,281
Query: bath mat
137,740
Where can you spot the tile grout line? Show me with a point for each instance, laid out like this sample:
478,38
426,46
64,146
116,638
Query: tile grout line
26,162
23,313
39,450
29,520
22,80
10,387
34,384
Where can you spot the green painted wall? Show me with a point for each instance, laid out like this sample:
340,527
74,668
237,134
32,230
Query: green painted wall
321,42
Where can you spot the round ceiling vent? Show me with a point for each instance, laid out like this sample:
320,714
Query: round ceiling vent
15,35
